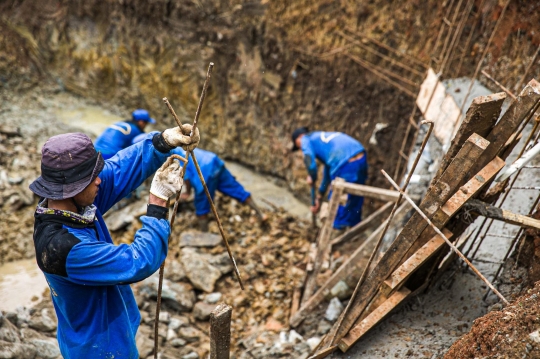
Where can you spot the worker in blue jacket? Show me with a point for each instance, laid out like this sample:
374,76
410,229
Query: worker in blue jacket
343,157
87,274
120,135
217,177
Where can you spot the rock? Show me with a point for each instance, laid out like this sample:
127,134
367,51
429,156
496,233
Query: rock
177,322
27,333
43,322
341,290
220,261
171,334
47,348
313,342
190,334
174,270
178,342
178,296
213,298
118,220
10,350
9,333
145,345
323,327
199,239
334,309
164,317
201,274
535,336
294,337
202,310
273,325
240,301
192,355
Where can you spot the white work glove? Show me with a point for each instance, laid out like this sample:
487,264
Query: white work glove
167,181
175,138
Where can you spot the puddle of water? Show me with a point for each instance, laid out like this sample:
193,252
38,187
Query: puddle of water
92,119
260,187
20,281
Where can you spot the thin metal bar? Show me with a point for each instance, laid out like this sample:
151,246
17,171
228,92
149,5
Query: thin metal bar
404,142
499,20
443,51
499,84
520,83
383,233
457,35
525,187
457,251
467,43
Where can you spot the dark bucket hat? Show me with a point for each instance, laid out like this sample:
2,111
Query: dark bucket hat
296,133
69,163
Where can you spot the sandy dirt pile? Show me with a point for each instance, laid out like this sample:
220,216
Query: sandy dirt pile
512,332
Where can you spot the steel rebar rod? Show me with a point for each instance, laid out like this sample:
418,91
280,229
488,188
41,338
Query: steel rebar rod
443,54
477,70
457,34
520,83
499,84
383,233
441,234
469,38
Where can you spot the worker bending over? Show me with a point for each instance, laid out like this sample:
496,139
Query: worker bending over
120,135
87,274
343,157
217,177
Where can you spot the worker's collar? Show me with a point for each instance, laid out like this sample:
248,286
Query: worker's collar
87,217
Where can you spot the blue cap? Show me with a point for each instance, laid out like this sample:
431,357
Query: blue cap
142,115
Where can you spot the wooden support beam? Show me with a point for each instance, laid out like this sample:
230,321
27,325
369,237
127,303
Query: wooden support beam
368,191
509,122
373,318
368,222
348,267
436,195
404,271
295,303
324,352
480,119
500,214
220,332
323,242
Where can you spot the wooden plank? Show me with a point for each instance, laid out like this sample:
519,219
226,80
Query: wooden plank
480,118
373,318
348,267
503,215
220,332
436,195
468,190
509,122
295,303
404,271
369,222
323,242
368,191
324,353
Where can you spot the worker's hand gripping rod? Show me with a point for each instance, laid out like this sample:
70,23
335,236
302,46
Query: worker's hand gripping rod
212,206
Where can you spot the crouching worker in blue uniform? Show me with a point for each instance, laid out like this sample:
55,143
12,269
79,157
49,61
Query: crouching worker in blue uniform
120,135
87,274
217,177
343,157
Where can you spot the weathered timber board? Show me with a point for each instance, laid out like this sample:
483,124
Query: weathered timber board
368,191
507,125
480,118
373,318
404,271
323,243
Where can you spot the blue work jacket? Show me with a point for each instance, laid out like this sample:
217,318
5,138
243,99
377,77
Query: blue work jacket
88,275
333,149
116,137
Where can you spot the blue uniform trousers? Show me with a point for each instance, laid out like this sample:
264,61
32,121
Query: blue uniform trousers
353,172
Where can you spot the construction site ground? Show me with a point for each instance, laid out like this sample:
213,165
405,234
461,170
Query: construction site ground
424,327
